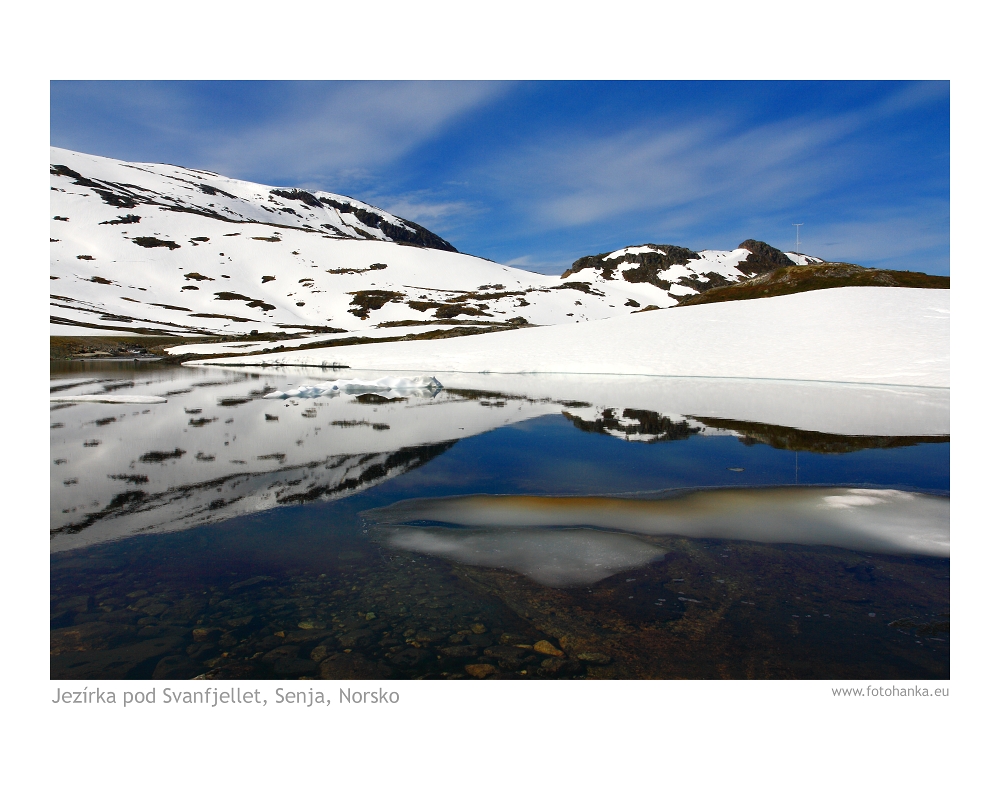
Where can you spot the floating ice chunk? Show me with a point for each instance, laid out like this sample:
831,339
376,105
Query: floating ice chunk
420,383
869,520
106,398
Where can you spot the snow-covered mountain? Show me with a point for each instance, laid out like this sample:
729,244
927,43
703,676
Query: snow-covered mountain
156,248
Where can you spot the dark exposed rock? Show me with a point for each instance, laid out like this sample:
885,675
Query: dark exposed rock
418,235
762,258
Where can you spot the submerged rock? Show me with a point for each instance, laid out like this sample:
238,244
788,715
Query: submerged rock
548,649
480,670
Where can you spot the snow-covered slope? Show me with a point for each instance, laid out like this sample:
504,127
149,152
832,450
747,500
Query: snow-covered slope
853,334
156,248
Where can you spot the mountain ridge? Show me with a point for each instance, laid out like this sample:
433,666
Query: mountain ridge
165,250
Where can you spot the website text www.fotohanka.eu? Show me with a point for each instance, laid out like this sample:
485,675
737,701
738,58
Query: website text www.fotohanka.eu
889,691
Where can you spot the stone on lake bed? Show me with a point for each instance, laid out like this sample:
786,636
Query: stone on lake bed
548,649
478,628
460,651
594,658
319,653
347,666
480,670
205,634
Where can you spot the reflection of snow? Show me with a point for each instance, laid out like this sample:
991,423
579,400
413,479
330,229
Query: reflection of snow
880,521
212,449
108,398
552,558
392,385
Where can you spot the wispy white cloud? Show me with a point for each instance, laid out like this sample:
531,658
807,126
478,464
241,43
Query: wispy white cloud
331,130
311,132
419,208
891,237
715,164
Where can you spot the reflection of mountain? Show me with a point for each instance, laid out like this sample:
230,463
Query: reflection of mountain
178,507
635,425
216,449
781,438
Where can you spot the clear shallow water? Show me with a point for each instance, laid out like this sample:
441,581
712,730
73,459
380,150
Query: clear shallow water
279,566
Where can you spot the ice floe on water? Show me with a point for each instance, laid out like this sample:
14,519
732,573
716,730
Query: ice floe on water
401,386
107,398
511,531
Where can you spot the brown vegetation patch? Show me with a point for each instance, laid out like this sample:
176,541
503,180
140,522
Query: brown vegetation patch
197,276
251,304
152,241
371,300
349,271
812,277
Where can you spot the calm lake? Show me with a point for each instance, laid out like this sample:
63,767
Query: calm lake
520,527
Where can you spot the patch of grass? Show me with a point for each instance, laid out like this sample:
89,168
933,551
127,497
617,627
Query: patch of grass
371,300
197,276
812,277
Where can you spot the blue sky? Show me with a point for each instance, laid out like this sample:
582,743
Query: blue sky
537,174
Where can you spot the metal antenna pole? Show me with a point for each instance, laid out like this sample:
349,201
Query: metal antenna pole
797,245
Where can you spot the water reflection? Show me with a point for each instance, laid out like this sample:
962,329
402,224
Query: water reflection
564,541
221,443
570,557
269,581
